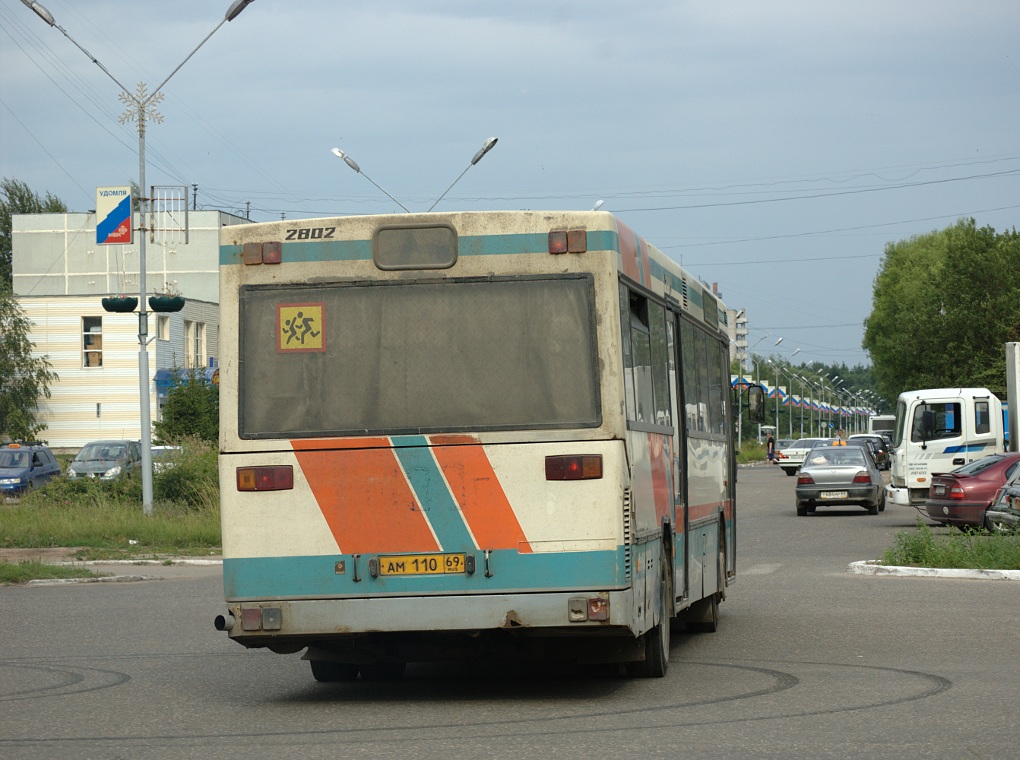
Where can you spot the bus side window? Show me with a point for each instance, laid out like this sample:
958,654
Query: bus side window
641,352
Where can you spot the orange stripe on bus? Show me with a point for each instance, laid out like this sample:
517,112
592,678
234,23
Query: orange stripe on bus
366,501
628,251
480,496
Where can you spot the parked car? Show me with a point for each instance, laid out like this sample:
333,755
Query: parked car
24,466
106,460
879,446
793,455
837,474
961,497
1003,515
164,457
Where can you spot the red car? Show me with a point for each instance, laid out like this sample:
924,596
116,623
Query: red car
961,497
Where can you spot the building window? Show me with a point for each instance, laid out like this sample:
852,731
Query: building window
199,344
163,327
194,345
92,341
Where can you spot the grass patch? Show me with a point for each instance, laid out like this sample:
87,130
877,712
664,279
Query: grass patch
107,516
23,572
956,549
110,527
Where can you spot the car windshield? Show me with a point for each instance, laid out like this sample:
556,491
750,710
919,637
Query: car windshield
97,452
13,459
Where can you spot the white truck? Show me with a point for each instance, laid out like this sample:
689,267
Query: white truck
937,430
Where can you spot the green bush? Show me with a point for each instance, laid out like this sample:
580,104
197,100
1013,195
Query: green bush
190,477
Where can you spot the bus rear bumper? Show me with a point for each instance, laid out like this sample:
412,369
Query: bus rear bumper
291,624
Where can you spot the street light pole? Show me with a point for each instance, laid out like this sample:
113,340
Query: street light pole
486,147
141,109
354,165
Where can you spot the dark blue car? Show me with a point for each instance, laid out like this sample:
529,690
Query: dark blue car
24,466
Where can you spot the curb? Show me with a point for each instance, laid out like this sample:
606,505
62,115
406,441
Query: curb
165,561
870,567
121,578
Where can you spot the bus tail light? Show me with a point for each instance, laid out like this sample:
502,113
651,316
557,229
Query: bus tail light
574,467
568,241
275,478
262,253
582,609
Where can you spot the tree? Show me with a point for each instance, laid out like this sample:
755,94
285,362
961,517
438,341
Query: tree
944,305
192,409
24,378
17,198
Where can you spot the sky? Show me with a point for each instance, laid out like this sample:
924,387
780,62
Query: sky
772,148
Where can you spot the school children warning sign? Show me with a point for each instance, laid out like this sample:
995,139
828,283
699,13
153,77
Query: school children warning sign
300,327
113,215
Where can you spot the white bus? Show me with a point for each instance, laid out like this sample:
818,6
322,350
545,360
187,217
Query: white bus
938,430
444,435
882,424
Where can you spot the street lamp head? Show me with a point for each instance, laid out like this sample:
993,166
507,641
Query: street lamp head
234,10
777,342
347,159
797,351
40,11
489,145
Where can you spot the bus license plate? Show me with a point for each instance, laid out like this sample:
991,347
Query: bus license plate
421,564
834,494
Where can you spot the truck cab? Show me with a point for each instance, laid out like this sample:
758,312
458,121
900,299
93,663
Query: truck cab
938,430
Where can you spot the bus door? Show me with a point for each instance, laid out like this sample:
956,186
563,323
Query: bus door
681,521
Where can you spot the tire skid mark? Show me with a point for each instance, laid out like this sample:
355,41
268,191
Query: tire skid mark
782,681
72,680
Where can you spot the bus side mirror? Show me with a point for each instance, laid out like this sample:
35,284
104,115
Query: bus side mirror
756,403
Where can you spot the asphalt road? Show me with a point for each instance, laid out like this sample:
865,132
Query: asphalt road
809,662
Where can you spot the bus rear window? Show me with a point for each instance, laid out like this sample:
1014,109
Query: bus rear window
420,356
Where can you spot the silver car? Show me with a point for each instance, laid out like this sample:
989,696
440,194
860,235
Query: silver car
836,474
106,460
1003,515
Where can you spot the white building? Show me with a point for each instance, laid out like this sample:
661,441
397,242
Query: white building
60,277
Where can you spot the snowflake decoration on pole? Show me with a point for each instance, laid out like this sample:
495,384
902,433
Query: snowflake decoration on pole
142,107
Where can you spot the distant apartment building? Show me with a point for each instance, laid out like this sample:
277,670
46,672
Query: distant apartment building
60,277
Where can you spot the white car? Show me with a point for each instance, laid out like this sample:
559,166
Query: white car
164,457
792,457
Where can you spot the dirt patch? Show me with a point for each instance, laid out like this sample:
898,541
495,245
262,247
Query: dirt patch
48,555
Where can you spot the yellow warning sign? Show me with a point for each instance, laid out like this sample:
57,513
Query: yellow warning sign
300,327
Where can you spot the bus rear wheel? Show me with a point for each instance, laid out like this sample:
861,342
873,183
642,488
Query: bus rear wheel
327,671
656,661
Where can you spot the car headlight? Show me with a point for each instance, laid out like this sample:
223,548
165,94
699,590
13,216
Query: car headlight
112,472
11,481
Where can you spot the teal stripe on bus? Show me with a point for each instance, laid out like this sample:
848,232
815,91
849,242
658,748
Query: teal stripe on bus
431,490
305,251
311,577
